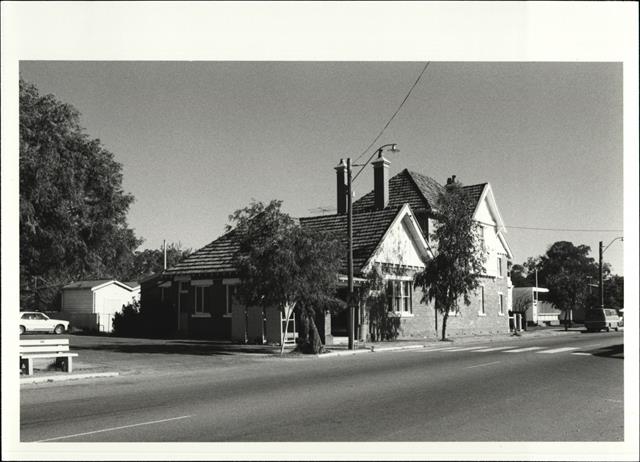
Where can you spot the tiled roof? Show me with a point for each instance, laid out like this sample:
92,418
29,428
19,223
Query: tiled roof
419,191
475,191
368,230
215,257
87,284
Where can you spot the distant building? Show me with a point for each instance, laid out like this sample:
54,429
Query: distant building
535,309
91,305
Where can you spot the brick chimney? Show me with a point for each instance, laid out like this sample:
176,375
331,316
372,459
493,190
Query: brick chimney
341,192
381,182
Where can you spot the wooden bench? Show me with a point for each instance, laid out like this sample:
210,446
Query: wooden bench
45,348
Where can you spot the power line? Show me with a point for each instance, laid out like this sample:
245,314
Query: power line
568,229
395,113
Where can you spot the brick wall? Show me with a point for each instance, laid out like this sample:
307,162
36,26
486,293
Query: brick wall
468,322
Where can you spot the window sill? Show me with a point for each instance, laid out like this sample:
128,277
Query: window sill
399,314
201,315
227,315
482,314
500,314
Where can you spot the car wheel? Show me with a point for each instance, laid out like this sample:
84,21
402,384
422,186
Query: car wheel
608,329
617,329
22,330
59,329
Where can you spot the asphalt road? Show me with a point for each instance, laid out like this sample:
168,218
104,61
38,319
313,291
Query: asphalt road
561,388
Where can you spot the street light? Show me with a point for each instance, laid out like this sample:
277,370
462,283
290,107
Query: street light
392,147
601,252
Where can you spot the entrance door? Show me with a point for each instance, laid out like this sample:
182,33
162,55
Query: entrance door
183,307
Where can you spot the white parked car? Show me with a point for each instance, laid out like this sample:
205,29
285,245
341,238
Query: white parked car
33,321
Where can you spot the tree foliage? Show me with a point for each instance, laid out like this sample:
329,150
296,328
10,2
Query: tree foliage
376,294
455,270
566,269
72,205
150,261
283,264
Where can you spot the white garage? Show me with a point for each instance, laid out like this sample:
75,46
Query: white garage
91,305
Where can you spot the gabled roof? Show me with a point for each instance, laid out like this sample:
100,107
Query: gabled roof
132,284
215,257
475,191
86,284
368,230
419,191
95,284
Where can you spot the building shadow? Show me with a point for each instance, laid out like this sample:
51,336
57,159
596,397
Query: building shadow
182,347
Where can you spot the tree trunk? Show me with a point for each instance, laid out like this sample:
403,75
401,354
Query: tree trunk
435,310
288,309
304,315
445,316
316,341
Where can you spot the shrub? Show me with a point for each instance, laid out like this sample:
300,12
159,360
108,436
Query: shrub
128,323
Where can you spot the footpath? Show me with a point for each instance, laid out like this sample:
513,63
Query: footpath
104,357
341,349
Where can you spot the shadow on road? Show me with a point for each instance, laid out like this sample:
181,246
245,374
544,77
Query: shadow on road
611,351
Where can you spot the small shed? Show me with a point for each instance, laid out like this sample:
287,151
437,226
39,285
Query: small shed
537,310
91,305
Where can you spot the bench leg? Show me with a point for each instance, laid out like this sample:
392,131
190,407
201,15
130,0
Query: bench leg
64,364
28,365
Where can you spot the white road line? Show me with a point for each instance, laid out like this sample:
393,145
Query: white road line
580,353
115,428
480,365
437,349
557,350
520,350
466,349
493,349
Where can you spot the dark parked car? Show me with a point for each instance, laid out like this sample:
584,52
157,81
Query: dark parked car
597,319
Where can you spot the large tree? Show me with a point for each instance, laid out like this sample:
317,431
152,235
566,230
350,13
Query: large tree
566,269
72,206
282,264
454,272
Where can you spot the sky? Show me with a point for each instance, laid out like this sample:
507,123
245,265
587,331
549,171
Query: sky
198,140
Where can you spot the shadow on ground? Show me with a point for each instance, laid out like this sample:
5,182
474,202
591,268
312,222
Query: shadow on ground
184,347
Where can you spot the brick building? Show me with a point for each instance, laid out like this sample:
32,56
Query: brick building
391,227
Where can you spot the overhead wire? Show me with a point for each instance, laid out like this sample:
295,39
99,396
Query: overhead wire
568,229
395,113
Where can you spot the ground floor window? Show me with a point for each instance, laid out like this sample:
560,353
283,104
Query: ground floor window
199,299
482,311
501,304
400,297
230,293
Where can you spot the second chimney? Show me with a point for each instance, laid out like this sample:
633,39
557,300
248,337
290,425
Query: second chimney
381,182
341,192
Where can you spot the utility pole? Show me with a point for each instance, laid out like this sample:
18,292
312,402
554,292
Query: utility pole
601,250
600,284
351,309
351,323
164,253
